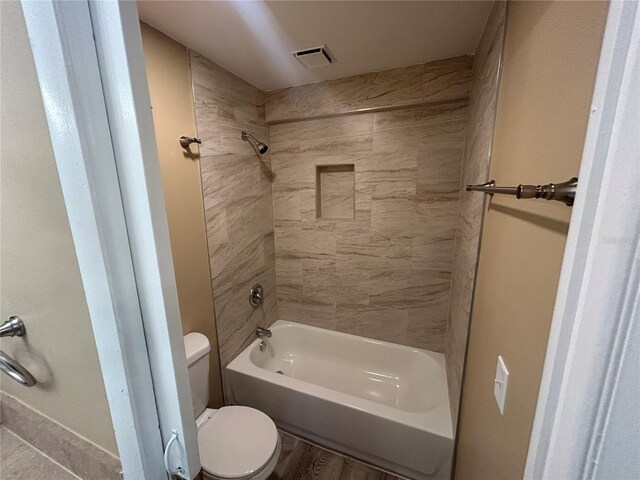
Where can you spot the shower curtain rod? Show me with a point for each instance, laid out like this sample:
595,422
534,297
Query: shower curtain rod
562,192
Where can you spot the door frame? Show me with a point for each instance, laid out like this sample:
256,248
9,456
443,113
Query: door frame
90,67
598,299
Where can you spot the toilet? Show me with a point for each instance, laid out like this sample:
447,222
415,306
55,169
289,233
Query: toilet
234,442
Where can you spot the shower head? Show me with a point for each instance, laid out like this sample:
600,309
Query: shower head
261,147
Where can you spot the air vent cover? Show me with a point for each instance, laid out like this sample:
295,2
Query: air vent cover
314,57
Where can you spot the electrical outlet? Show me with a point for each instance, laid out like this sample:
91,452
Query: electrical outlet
500,384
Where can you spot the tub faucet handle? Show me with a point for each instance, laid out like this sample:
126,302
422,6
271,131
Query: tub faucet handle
256,295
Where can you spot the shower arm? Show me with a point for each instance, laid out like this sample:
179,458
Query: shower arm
562,192
246,135
261,147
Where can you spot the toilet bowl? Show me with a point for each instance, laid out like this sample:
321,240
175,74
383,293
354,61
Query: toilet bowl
239,443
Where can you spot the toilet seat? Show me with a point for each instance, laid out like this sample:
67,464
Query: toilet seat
237,443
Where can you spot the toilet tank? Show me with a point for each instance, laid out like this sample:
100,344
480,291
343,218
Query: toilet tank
197,349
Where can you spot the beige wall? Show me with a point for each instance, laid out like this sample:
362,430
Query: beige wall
238,202
39,275
550,60
475,168
168,73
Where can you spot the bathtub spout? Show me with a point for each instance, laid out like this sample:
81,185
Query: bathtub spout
263,332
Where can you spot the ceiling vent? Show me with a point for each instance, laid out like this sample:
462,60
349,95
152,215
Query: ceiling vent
314,57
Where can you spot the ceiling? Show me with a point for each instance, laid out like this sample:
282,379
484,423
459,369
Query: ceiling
254,39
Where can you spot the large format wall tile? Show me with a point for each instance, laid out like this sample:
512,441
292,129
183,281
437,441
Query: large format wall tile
432,82
383,267
236,183
477,156
385,271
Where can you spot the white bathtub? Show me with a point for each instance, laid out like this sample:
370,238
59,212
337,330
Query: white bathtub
379,402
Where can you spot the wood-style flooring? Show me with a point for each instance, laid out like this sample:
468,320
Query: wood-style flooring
299,460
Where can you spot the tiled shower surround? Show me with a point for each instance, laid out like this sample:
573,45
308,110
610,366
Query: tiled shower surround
384,273
377,261
477,157
350,221
236,184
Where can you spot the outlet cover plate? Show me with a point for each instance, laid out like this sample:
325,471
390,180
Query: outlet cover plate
500,384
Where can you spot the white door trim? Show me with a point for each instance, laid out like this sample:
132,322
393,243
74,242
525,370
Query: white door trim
598,299
116,28
91,73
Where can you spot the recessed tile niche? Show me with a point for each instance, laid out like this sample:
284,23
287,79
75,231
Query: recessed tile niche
335,191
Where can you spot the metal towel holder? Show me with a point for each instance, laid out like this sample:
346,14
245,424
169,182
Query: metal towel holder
14,328
564,192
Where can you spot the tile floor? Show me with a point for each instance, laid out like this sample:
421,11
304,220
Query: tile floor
299,460
19,460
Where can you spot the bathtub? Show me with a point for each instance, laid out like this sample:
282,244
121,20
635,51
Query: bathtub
379,402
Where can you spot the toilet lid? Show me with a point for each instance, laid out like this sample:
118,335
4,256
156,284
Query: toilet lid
236,441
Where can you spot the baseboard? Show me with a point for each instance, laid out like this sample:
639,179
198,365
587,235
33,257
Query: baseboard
77,454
